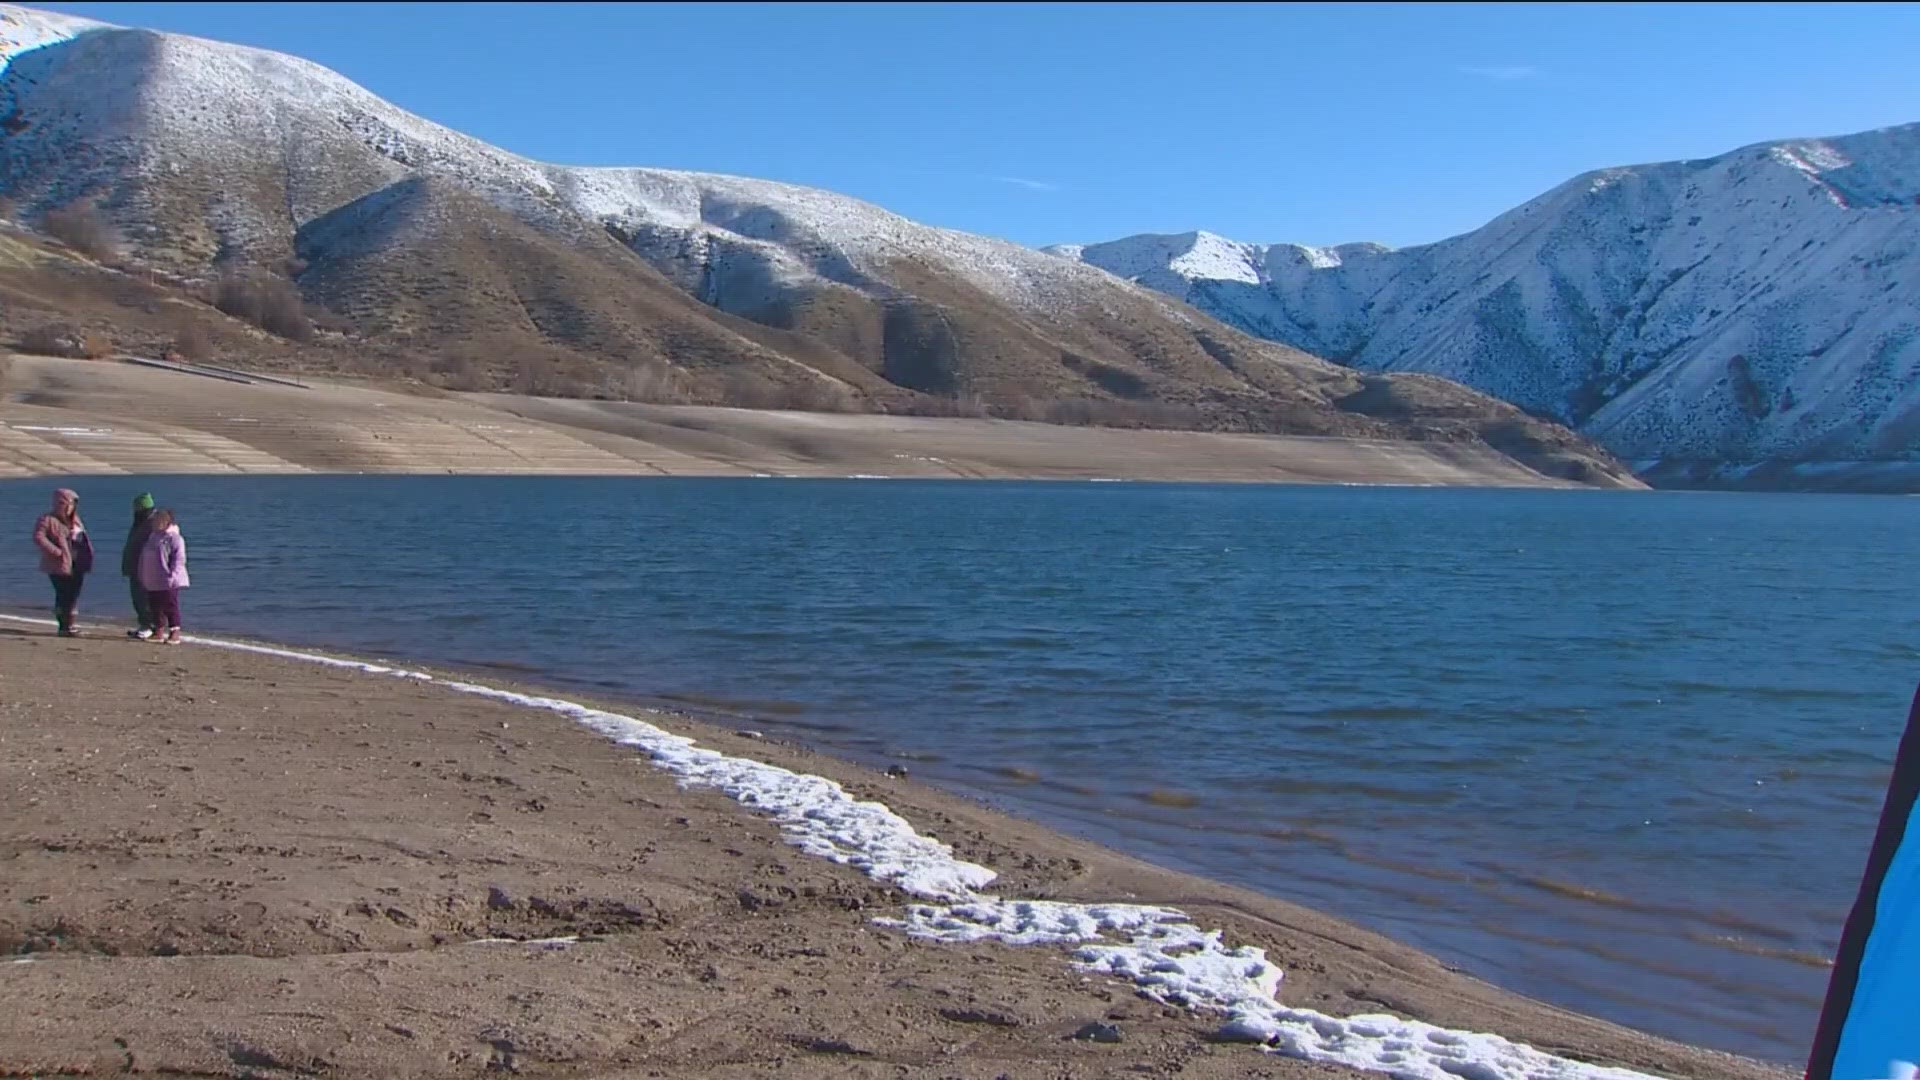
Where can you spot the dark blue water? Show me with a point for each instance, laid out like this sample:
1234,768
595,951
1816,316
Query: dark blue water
1620,751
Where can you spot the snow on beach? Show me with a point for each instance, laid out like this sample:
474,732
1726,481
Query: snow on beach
1158,949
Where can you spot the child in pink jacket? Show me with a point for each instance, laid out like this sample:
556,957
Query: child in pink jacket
163,573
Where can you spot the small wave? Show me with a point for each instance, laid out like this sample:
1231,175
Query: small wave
1431,797
1720,917
947,649
1375,712
738,705
508,665
1308,835
1587,893
1735,986
1769,693
1015,772
1027,642
1178,800
1436,873
828,728
1738,944
1731,920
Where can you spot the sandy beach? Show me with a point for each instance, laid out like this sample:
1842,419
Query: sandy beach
222,863
93,418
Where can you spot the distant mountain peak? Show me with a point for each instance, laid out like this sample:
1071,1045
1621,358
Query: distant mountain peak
1753,307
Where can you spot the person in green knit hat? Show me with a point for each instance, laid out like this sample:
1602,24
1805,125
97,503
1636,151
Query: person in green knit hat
130,565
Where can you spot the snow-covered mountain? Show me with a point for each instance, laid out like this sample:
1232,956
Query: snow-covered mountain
210,158
1760,309
164,111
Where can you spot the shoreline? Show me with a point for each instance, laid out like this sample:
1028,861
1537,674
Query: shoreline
1329,966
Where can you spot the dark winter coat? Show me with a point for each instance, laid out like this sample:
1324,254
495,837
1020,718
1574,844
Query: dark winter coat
136,540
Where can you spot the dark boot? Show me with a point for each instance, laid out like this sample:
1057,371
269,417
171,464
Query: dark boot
64,618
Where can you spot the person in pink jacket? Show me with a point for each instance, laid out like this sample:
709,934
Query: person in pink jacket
66,555
163,573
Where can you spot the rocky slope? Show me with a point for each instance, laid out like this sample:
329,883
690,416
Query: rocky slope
492,270
1747,314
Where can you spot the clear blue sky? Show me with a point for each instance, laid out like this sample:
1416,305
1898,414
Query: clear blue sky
1045,123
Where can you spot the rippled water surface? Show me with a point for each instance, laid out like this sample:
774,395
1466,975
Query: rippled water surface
1620,751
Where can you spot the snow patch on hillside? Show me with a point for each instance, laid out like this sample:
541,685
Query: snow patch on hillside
1216,257
189,101
23,30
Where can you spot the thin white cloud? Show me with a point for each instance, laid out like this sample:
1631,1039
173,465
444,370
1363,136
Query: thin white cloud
1500,71
1030,185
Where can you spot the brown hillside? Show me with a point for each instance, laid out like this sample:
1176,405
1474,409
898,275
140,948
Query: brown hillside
235,176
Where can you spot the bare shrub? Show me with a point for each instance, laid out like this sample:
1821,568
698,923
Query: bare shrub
1018,408
744,389
191,342
271,303
239,297
654,384
1091,412
52,339
410,367
459,372
328,320
821,396
532,376
286,314
63,339
543,374
81,228
48,340
957,405
1076,412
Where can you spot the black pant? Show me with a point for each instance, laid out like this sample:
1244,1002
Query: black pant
66,596
141,609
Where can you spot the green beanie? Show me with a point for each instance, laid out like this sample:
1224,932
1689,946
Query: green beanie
143,501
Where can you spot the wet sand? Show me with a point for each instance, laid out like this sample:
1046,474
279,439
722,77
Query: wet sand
224,864
86,417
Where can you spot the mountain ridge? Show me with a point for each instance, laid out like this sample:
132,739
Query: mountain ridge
1715,316
498,271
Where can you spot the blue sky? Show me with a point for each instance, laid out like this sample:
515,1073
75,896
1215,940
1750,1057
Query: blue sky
1082,122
